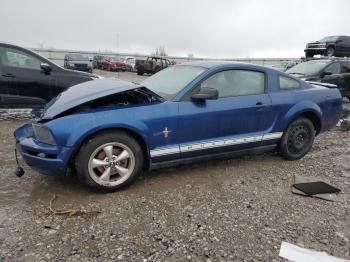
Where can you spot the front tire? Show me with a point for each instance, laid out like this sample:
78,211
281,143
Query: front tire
298,139
330,51
109,161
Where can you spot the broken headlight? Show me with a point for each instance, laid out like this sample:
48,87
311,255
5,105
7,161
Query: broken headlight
43,134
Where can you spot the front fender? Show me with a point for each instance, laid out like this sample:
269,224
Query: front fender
299,109
72,130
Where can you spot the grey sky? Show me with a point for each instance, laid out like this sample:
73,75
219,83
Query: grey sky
222,28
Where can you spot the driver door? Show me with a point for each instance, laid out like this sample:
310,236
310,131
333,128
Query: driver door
234,121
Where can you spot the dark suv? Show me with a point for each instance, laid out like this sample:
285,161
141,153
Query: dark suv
28,80
329,46
78,62
333,71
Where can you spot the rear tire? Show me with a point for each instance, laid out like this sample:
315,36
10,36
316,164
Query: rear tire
140,72
298,139
109,161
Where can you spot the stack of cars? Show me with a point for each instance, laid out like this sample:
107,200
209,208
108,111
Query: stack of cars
329,46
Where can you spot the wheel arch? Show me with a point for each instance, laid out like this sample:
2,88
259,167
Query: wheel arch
310,114
307,109
143,144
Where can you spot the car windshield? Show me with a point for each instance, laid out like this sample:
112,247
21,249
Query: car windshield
77,57
307,68
329,39
170,81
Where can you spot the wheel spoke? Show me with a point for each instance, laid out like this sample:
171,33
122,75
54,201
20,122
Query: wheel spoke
122,171
97,163
106,175
109,152
123,155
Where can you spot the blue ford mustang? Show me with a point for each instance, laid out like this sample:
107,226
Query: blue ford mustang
109,130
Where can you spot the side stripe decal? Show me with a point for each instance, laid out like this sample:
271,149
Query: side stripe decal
213,144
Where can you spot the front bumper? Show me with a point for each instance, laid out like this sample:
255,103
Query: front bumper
47,159
315,50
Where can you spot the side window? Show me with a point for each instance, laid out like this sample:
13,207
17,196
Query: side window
333,68
15,58
286,83
345,68
236,83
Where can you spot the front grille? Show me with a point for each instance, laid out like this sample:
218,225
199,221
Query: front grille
80,65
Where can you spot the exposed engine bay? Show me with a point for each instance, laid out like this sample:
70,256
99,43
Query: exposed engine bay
131,97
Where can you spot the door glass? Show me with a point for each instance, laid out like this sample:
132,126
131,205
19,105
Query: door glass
333,68
15,58
236,83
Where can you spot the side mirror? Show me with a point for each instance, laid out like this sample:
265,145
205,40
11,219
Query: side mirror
206,93
45,67
326,73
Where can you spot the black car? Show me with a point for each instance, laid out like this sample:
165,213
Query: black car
28,80
329,46
78,62
333,71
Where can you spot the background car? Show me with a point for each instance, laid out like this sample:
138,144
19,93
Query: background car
109,131
329,46
113,64
131,62
96,61
333,71
78,62
151,65
28,80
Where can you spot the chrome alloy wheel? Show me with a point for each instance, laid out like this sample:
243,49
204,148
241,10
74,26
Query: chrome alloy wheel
111,164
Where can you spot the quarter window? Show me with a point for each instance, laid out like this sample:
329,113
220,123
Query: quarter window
15,58
286,83
236,83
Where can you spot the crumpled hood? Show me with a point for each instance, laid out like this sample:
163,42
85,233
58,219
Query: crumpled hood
84,92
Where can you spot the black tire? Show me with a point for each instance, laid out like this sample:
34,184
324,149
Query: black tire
298,139
330,51
90,151
157,69
140,72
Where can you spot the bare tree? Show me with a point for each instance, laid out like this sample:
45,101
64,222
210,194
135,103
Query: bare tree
160,51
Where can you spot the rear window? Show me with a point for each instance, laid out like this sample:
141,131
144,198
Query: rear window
287,83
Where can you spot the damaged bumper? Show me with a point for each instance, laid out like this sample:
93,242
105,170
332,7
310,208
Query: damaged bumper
47,159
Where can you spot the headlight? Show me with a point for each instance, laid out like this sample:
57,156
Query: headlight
43,134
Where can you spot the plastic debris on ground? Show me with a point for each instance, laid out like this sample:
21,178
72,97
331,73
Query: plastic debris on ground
298,254
302,180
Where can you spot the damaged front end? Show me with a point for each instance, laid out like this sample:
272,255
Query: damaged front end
48,143
96,94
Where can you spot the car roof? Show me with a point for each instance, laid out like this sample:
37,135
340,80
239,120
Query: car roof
212,64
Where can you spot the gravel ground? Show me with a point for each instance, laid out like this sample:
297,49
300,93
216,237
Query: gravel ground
224,210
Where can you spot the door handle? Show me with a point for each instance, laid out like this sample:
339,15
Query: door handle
259,103
8,75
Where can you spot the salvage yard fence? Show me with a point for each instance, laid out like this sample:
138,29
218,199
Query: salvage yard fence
57,56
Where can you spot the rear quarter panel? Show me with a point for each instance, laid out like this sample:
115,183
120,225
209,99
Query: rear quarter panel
325,103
